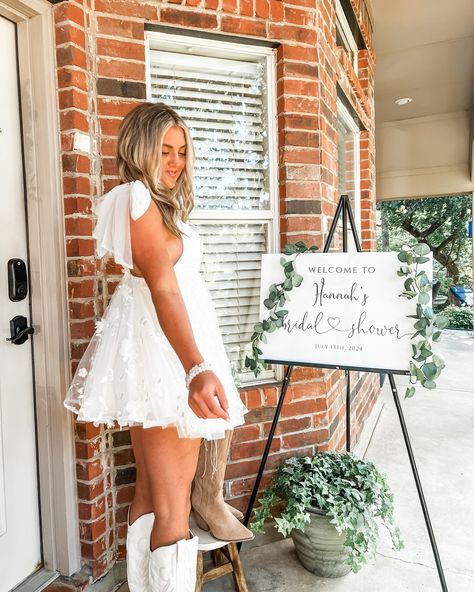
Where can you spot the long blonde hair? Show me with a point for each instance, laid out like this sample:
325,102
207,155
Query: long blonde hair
139,145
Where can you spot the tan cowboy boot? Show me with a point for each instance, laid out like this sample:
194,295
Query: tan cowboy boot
207,499
237,513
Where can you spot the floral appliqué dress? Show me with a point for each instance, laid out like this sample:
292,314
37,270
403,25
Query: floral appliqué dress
129,373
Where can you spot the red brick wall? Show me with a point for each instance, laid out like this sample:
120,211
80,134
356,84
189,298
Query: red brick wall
101,76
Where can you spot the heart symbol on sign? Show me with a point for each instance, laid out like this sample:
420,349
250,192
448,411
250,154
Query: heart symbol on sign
334,322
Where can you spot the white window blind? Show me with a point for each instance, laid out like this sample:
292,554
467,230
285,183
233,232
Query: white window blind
224,101
231,268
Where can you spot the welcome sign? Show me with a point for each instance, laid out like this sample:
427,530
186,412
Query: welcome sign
347,312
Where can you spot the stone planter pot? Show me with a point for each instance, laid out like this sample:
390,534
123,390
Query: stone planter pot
320,547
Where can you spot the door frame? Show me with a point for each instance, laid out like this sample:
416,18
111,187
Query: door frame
44,202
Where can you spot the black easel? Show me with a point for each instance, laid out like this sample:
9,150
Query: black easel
344,209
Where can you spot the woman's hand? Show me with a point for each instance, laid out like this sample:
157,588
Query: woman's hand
207,396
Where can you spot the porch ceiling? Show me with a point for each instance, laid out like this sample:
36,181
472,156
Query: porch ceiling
425,50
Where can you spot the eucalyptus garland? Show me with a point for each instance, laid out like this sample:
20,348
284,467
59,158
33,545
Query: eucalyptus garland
425,366
277,297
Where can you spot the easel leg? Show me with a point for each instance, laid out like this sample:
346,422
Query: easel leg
419,488
348,411
263,462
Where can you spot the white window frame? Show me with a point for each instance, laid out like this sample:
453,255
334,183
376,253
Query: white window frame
158,40
344,29
347,119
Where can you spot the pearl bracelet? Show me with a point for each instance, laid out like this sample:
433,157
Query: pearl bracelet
195,370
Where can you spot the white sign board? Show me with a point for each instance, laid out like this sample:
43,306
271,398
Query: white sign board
346,313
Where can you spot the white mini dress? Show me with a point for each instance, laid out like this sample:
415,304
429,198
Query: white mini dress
129,373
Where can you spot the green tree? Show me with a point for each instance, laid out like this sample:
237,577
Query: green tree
440,222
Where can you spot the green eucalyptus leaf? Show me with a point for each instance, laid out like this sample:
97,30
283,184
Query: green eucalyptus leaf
421,249
419,375
428,313
269,303
423,298
423,280
425,350
429,370
441,321
297,280
421,324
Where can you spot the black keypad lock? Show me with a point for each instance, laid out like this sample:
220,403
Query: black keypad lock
17,280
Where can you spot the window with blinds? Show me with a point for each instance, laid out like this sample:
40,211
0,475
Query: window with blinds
348,162
222,102
224,96
344,35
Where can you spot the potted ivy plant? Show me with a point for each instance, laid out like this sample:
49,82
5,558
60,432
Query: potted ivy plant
332,506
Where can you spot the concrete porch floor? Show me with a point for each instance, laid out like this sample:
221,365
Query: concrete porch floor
441,427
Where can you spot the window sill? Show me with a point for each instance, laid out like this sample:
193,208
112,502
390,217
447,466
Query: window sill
266,384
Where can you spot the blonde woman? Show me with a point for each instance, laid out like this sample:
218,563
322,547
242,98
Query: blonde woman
156,362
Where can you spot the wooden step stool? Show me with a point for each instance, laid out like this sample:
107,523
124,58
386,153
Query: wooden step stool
225,558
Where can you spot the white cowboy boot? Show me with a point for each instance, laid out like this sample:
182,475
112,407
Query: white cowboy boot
138,552
173,567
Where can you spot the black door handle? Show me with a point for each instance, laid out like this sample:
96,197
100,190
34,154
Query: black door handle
19,330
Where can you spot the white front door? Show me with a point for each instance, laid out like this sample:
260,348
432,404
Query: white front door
20,542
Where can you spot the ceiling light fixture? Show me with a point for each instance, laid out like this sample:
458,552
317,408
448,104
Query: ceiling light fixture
404,101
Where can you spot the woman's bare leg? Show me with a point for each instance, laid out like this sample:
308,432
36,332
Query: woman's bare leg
169,466
142,501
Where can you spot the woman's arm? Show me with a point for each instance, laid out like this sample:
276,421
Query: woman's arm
150,253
